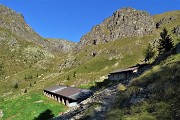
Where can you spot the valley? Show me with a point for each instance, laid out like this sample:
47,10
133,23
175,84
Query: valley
29,63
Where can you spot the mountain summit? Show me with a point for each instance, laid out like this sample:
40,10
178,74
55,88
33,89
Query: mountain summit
14,22
125,22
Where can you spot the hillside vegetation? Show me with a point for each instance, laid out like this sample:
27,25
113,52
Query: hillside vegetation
29,63
161,86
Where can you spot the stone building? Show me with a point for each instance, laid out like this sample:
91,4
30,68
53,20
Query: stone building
123,74
67,95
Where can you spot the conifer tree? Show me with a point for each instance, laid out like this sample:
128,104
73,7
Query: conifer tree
149,53
165,42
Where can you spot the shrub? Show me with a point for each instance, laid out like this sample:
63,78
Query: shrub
121,87
149,53
25,91
16,85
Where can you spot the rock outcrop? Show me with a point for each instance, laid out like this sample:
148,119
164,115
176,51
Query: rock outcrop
126,22
167,19
176,31
59,45
15,23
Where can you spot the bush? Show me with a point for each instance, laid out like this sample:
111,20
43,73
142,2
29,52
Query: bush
121,87
25,91
16,85
149,53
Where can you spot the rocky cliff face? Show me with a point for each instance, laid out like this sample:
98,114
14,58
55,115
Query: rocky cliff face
59,45
126,22
14,22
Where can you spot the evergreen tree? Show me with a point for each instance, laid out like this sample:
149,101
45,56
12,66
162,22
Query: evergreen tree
149,53
165,42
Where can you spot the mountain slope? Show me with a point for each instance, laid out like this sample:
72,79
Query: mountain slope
31,62
153,95
59,45
15,23
126,22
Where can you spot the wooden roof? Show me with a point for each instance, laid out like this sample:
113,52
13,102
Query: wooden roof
69,92
125,70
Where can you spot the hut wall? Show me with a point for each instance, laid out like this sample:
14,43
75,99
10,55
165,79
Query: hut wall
117,76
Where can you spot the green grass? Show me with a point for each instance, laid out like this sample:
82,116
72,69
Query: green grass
163,103
29,106
45,71
95,65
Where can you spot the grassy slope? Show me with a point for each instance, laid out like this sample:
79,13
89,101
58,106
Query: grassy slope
29,106
110,56
45,72
36,77
121,53
169,26
24,63
163,103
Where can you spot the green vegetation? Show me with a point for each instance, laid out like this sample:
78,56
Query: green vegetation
26,68
163,102
165,43
29,107
149,53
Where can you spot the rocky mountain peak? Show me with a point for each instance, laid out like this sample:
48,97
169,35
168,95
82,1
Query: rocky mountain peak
6,10
15,23
125,22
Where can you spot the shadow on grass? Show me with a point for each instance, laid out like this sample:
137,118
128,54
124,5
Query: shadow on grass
45,115
165,55
104,84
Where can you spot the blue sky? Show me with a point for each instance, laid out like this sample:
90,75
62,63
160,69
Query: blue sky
71,19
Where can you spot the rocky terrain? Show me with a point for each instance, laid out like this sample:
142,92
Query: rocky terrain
15,22
29,62
125,22
59,45
100,103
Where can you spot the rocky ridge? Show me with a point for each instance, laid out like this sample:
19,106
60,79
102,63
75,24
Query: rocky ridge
126,22
15,23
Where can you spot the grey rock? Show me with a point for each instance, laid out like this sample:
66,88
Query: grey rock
126,22
14,22
59,45
176,31
165,21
